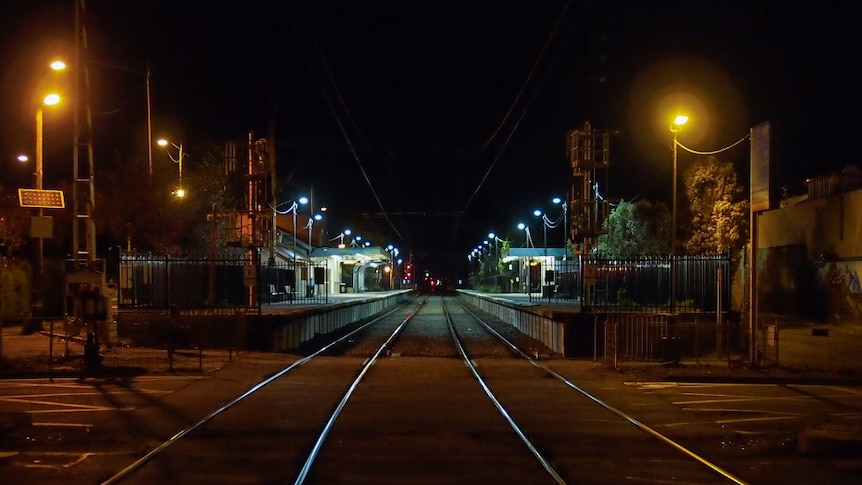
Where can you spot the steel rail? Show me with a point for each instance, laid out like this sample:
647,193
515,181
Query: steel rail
643,427
137,464
318,444
546,464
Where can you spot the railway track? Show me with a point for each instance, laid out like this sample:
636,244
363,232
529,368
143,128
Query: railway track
391,402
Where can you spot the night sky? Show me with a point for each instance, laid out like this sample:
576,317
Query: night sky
441,121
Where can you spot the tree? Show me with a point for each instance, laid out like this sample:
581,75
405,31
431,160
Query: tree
14,224
719,211
144,213
636,229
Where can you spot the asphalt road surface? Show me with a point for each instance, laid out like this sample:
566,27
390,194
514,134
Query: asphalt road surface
418,416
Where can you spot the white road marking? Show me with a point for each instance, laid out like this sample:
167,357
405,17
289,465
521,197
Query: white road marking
64,425
744,399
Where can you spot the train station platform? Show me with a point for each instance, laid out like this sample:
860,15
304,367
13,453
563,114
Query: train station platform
542,305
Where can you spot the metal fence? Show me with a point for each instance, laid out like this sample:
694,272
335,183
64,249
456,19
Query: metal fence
176,340
157,282
158,341
661,337
700,283
685,284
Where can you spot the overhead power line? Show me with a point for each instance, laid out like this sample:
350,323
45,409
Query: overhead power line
334,86
515,102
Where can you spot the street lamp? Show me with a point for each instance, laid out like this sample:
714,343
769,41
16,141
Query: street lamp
560,202
180,192
541,214
528,242
674,128
293,208
309,225
49,100
388,270
340,238
493,238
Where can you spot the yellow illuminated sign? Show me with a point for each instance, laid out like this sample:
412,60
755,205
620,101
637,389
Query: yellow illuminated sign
46,199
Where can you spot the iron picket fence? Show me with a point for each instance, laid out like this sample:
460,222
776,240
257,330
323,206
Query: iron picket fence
626,284
162,283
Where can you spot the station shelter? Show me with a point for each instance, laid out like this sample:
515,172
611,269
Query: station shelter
346,267
536,268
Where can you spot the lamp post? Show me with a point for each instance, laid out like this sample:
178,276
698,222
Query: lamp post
563,204
180,192
49,100
388,270
309,225
674,128
340,238
543,265
293,208
495,250
528,242
541,214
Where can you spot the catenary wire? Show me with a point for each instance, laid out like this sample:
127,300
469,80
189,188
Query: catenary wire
334,86
523,111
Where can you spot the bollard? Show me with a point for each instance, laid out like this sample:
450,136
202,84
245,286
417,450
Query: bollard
92,359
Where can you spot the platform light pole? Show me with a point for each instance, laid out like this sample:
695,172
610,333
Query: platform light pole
564,205
310,225
294,206
340,238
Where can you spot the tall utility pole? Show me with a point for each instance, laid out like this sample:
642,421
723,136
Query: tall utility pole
589,157
149,127
83,188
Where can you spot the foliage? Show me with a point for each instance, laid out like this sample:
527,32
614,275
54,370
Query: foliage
636,229
718,209
14,224
372,280
145,214
14,292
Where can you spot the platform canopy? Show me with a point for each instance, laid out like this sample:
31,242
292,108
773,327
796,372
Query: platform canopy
526,253
360,254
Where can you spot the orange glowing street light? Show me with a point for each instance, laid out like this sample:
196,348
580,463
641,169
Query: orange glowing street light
678,121
180,192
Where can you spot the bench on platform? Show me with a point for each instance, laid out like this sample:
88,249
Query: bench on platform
289,293
275,295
